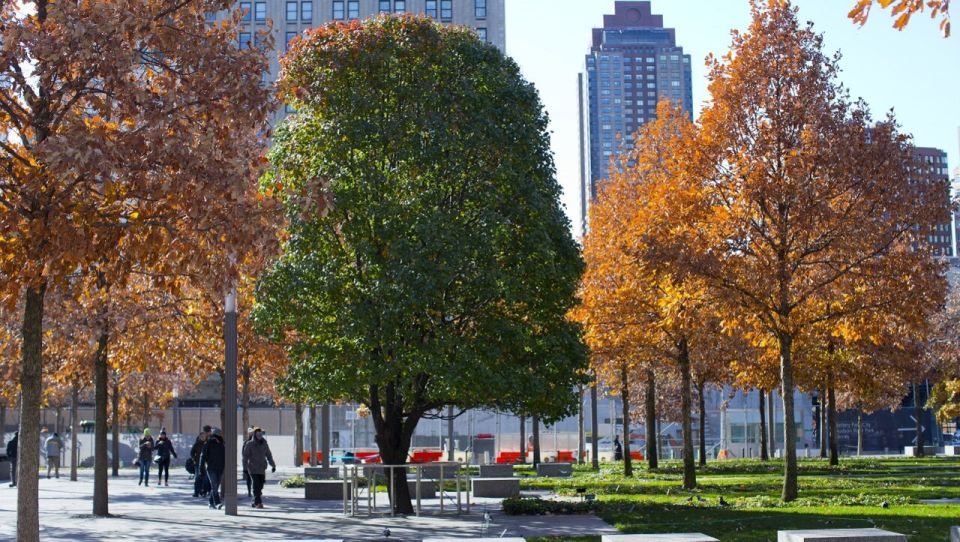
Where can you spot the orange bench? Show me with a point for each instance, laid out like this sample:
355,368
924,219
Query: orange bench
508,457
564,456
636,455
425,456
368,457
306,457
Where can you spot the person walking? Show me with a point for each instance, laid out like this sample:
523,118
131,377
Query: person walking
200,481
256,455
145,457
213,459
246,474
53,447
164,448
12,457
617,449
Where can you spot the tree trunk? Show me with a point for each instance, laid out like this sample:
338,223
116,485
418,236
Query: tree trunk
859,431
650,421
918,450
313,434
703,423
625,402
245,398
3,424
74,426
771,424
594,422
325,435
832,423
298,435
535,422
31,389
393,435
100,507
789,430
223,396
115,428
523,439
581,443
686,405
824,428
450,441
763,428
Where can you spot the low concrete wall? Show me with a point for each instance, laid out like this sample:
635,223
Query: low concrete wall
840,535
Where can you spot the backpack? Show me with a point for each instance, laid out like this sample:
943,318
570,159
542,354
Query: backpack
190,466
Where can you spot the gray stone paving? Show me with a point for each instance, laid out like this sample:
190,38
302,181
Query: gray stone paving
161,514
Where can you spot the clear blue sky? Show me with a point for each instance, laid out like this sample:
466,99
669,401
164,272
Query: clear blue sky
916,72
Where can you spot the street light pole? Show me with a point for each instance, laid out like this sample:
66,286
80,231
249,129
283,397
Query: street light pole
230,400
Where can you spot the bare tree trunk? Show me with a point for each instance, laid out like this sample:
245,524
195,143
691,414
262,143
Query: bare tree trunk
223,396
535,422
115,427
523,439
3,422
581,443
313,435
625,402
31,389
918,451
859,431
789,430
686,405
450,442
771,424
100,506
650,411
298,435
594,422
245,398
703,423
325,435
763,428
74,425
824,428
832,423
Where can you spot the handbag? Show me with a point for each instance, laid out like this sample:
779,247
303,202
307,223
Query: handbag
190,466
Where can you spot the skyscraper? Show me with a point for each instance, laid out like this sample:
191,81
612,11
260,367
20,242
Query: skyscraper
930,174
285,19
633,62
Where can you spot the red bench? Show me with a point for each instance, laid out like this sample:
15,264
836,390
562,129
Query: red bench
508,457
368,457
425,456
306,457
636,455
565,456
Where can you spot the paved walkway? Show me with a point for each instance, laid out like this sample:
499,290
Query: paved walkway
160,514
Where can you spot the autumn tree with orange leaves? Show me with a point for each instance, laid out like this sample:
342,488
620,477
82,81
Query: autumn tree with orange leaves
808,215
134,134
903,10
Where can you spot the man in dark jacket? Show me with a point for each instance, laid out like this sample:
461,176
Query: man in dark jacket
200,481
213,459
164,449
256,455
12,457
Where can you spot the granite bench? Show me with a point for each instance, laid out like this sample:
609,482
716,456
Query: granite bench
840,535
321,473
954,534
495,487
496,471
428,490
325,490
474,540
667,537
555,470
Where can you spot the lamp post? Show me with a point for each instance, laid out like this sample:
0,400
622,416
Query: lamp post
230,400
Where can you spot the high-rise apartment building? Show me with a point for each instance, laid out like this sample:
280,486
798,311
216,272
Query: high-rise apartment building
633,62
285,19
931,173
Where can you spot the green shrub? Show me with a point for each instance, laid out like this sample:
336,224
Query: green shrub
519,506
293,482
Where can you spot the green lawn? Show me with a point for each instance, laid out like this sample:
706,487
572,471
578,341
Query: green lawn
883,493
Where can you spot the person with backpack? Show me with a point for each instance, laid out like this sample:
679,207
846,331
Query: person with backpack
12,457
53,447
164,450
200,483
213,460
145,457
256,455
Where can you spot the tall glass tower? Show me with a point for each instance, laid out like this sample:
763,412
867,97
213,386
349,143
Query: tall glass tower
633,62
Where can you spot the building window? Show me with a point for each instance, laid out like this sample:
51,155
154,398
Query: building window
446,10
306,11
353,9
261,12
480,9
400,6
244,40
482,32
210,17
291,11
246,12
384,6
431,8
289,38
339,12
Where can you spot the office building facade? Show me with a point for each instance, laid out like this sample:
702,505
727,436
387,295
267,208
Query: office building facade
931,173
633,62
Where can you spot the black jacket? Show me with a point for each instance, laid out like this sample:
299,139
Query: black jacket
164,448
213,456
12,448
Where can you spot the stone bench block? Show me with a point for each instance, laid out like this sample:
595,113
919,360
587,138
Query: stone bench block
428,490
433,471
321,473
324,490
555,470
954,534
496,471
508,539
928,451
840,535
950,450
4,469
669,537
495,487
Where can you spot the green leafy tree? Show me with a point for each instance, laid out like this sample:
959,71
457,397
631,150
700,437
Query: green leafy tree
428,262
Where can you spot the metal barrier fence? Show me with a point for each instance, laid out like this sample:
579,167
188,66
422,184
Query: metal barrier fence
354,494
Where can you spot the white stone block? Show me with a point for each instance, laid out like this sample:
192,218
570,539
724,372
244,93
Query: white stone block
474,540
840,535
954,534
669,537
